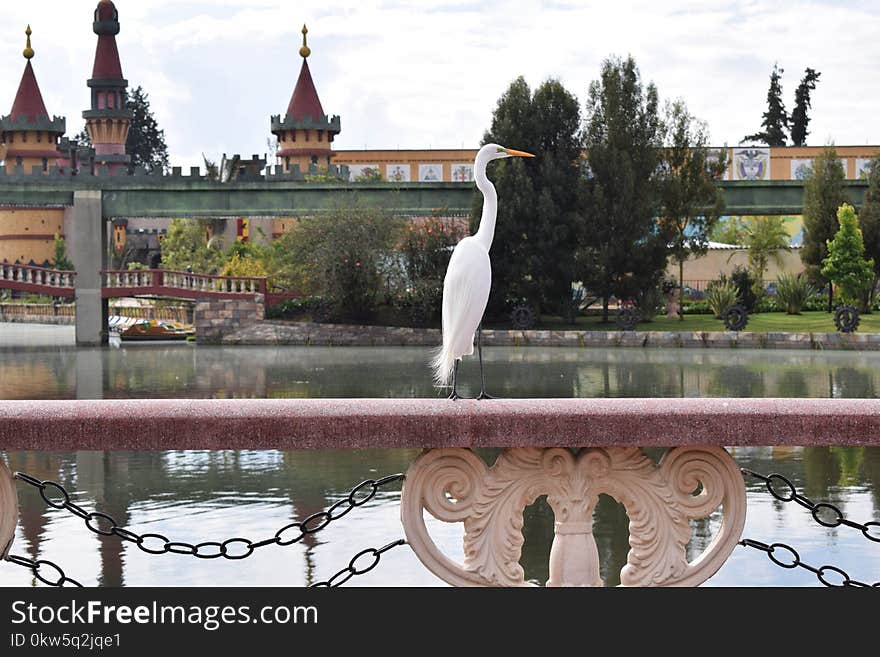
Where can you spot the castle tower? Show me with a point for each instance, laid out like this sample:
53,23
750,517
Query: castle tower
28,135
108,121
305,136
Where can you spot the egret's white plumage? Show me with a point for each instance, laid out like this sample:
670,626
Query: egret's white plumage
469,275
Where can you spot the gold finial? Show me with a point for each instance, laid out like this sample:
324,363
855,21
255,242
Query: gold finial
28,51
305,51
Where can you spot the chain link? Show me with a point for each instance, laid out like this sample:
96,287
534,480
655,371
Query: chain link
825,514
41,569
57,497
787,557
353,569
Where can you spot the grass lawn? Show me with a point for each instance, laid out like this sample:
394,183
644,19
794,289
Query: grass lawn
807,322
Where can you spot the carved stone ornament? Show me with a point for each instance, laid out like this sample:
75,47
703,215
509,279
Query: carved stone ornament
8,509
455,485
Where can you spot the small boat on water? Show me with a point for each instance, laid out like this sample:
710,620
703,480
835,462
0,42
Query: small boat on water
156,329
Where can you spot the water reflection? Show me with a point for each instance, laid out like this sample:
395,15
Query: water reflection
230,372
200,496
213,495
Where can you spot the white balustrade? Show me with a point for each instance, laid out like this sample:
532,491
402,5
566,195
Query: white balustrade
455,485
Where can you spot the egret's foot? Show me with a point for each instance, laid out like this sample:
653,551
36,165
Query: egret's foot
485,395
454,396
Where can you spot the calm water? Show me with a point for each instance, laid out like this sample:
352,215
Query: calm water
204,496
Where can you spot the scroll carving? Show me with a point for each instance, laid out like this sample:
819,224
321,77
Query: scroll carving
455,485
8,509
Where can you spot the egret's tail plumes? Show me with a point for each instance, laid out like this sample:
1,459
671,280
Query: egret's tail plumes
443,364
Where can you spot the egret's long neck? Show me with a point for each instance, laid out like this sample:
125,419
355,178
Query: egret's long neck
490,207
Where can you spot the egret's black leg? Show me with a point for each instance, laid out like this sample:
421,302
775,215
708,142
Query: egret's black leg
483,394
455,394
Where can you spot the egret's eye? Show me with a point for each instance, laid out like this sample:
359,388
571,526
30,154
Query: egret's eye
500,150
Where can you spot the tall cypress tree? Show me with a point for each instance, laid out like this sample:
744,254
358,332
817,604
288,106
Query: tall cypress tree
824,193
799,117
535,237
623,249
775,121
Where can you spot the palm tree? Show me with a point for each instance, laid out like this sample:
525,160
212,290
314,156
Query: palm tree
766,239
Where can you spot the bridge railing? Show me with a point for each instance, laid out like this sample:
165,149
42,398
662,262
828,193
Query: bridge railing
449,481
158,281
39,280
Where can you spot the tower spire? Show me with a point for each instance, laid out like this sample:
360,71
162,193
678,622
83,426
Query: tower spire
305,51
305,133
28,52
108,118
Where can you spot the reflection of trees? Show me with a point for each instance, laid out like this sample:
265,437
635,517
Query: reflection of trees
821,473
736,381
792,383
852,382
871,475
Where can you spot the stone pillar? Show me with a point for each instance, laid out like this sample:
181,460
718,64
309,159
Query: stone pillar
86,246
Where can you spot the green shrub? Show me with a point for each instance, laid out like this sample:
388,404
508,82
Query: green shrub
793,292
721,296
696,308
816,302
767,305
341,254
308,307
748,288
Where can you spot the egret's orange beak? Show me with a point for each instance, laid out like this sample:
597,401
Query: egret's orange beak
512,152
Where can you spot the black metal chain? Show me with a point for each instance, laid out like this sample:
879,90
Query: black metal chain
823,513
41,567
791,559
352,569
231,548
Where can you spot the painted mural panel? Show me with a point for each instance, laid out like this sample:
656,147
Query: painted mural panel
751,164
862,165
463,172
397,172
430,172
801,169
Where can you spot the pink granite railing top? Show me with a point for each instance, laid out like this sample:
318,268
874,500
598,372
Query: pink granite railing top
420,423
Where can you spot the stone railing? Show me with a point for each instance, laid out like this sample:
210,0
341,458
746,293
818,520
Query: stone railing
118,283
38,280
452,483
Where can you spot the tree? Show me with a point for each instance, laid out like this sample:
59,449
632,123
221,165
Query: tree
533,253
340,255
59,257
823,194
691,201
146,142
775,121
767,239
869,218
623,249
799,118
190,243
846,265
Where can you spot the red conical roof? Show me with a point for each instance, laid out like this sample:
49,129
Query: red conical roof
28,100
107,66
305,99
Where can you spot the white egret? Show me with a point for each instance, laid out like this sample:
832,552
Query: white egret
468,280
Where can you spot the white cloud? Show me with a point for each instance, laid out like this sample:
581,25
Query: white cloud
416,74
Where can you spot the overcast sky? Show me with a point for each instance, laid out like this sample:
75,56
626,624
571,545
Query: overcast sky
406,74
